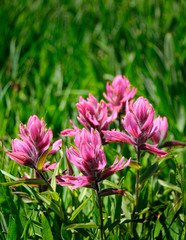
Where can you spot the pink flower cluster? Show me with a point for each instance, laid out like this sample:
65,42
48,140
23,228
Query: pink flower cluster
139,126
119,92
88,154
35,142
89,158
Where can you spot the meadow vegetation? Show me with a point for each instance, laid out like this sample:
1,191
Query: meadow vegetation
51,53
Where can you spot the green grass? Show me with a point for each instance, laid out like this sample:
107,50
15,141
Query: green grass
52,52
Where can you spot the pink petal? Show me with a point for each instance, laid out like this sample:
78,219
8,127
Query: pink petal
74,181
117,166
150,148
131,125
45,142
173,144
56,146
114,136
47,166
21,158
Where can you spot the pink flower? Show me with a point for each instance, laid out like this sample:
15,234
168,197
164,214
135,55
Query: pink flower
93,114
35,141
162,130
47,166
119,92
89,158
71,132
138,123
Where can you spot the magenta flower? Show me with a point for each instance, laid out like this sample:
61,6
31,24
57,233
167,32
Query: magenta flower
93,114
119,92
138,123
35,141
49,167
71,132
89,158
162,129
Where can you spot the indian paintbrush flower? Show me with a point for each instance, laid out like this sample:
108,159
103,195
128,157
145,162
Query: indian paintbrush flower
35,142
119,92
138,123
93,114
162,130
89,157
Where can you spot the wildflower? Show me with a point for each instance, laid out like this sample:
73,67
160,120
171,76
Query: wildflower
138,123
71,132
119,92
93,114
162,130
88,156
35,142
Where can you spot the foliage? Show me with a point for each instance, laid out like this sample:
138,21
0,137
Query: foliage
54,51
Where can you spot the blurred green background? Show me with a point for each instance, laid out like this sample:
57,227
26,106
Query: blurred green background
53,51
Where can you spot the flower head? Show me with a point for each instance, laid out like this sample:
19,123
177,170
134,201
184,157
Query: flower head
89,158
35,142
162,130
119,92
139,125
93,114
71,132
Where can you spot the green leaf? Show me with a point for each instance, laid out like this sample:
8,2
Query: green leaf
47,233
143,198
9,175
3,223
12,229
41,160
111,184
169,49
7,204
31,181
25,197
25,232
171,153
52,205
55,173
135,164
77,211
169,185
81,225
148,173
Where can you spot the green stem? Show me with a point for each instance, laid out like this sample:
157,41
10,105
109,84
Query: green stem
137,178
100,209
43,177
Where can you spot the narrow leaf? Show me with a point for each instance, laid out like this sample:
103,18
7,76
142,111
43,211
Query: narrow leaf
81,225
56,171
148,173
135,164
169,185
111,184
47,233
77,211
32,182
25,232
41,161
12,229
50,204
